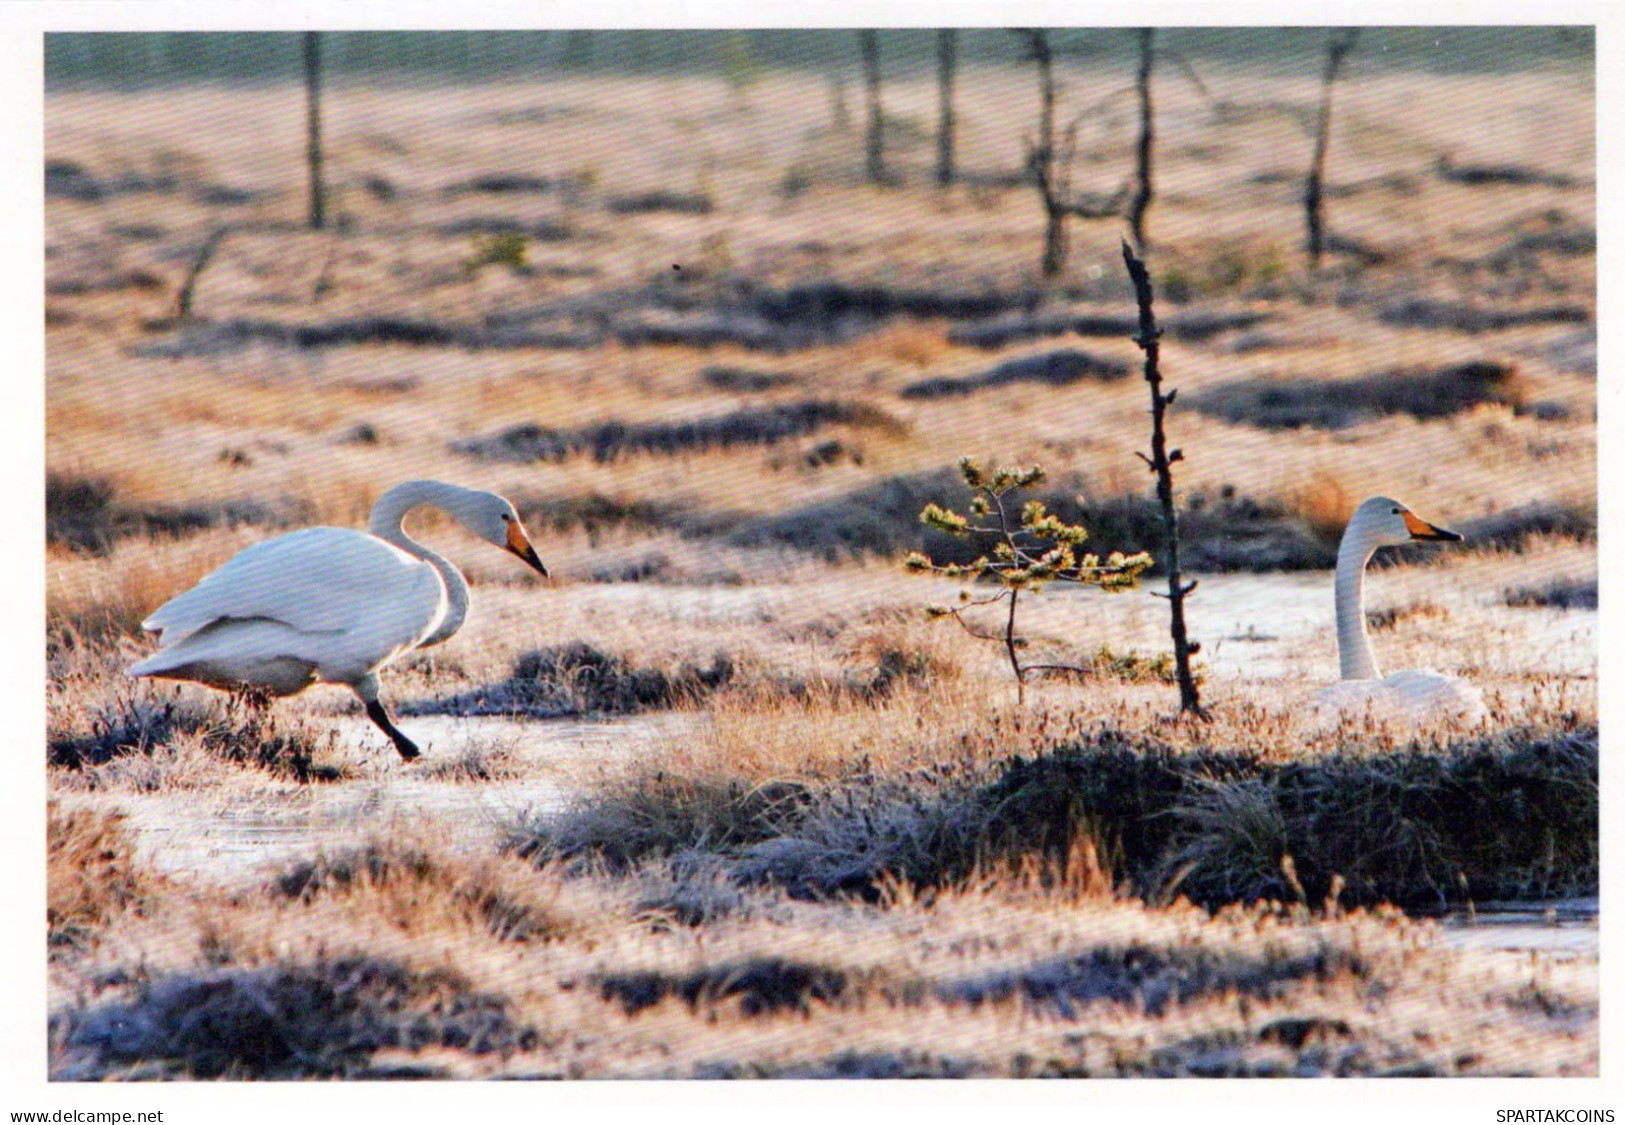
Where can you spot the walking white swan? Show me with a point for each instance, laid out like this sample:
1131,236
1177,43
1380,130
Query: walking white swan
1406,698
328,604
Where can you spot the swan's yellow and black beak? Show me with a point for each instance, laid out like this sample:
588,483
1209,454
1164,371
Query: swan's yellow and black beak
1421,529
519,544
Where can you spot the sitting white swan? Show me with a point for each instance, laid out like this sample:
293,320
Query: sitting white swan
1407,698
328,604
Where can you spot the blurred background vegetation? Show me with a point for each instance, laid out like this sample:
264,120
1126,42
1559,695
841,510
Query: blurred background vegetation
132,60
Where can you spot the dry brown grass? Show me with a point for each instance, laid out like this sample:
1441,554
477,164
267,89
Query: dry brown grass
339,967
961,849
92,875
1325,505
90,601
916,344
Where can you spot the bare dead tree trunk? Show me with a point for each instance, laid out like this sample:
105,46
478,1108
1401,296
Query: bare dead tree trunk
946,60
1048,165
1142,194
1161,463
1042,157
185,295
1314,205
313,128
875,164
839,114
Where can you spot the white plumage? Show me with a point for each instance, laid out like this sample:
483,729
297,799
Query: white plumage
329,604
1404,699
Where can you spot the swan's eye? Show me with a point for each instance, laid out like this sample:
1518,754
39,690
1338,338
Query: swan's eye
506,518
1397,512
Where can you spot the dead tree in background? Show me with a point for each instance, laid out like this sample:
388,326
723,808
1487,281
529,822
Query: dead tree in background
188,287
1337,47
313,128
945,105
1161,463
1049,165
839,114
1142,194
875,164
1043,157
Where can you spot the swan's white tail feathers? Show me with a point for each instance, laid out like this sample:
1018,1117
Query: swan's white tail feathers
260,652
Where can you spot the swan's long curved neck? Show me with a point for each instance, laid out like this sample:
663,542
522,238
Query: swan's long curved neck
385,522
1354,653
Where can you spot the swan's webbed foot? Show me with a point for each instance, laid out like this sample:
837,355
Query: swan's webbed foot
375,711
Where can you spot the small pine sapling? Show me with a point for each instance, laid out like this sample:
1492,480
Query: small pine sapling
1034,547
503,248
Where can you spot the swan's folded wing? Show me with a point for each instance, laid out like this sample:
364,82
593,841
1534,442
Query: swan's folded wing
1408,699
1434,693
320,580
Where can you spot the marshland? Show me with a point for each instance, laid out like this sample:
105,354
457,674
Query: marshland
721,799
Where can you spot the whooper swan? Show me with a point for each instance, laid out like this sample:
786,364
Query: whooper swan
1408,698
328,604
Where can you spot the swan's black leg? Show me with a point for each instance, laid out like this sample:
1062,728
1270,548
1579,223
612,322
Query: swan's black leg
376,712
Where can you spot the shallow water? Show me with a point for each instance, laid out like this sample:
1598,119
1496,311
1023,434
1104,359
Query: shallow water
232,838
1252,626
1566,927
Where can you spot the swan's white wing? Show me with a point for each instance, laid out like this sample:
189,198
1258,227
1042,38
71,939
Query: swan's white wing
1432,693
319,580
237,651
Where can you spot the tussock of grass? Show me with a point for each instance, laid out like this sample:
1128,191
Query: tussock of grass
747,379
421,885
1564,593
475,760
131,723
672,202
1056,369
323,1019
576,678
664,816
1419,826
546,230
1422,312
504,183
127,722
72,180
1332,404
1391,617
84,514
1487,175
765,985
1516,528
91,874
1151,978
610,441
831,302
1192,325
205,338
881,519
594,510
1217,534
652,566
